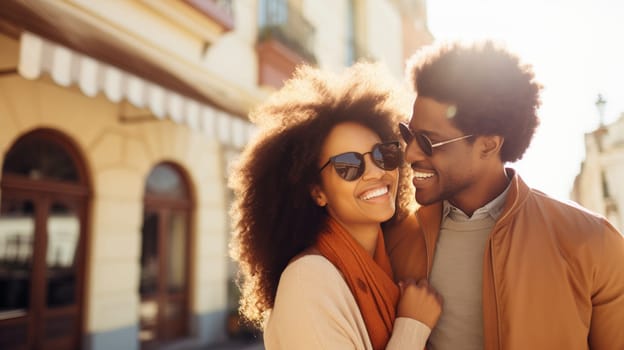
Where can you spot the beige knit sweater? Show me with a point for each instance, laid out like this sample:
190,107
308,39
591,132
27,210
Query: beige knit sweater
314,309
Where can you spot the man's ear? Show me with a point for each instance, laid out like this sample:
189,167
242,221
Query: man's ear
318,196
490,146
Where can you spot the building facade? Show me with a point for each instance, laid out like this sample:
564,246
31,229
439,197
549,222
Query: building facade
118,120
599,185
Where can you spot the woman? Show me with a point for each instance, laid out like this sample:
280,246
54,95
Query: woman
312,191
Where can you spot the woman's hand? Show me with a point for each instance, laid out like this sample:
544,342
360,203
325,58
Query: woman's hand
419,301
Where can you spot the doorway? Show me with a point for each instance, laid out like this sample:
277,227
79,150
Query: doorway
165,258
43,213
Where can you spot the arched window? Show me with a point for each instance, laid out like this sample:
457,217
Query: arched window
39,158
165,256
42,240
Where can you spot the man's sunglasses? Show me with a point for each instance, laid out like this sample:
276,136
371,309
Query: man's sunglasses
423,141
350,165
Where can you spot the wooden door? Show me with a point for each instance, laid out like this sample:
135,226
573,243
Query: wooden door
41,270
165,259
43,205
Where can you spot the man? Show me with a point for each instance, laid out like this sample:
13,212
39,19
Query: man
516,268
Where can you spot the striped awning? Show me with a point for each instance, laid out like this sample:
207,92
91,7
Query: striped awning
67,67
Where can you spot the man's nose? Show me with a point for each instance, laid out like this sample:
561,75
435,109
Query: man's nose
413,153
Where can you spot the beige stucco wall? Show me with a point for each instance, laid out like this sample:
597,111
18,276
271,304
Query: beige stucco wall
330,31
607,160
118,158
233,55
145,24
614,173
385,34
230,56
381,21
588,188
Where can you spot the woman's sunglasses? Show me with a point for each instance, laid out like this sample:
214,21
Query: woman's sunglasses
350,165
423,141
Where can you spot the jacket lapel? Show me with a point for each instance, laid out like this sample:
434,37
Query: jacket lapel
430,220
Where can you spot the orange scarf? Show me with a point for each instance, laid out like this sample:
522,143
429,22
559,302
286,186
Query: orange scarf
369,278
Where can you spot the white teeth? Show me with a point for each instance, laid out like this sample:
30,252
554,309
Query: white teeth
375,193
423,176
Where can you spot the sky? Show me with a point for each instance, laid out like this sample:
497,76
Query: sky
576,48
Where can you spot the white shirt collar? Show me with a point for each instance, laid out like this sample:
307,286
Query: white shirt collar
493,209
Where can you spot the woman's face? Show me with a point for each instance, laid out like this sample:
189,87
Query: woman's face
370,199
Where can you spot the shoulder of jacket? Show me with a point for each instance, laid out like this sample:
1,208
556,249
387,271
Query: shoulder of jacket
572,219
569,207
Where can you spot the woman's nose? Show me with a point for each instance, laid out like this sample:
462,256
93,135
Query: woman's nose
371,170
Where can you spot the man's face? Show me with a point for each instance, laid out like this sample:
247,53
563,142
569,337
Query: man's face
451,171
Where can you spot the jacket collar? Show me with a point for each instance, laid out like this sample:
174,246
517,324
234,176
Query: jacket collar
430,218
517,195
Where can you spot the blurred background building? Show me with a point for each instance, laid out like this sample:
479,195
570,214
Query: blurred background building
600,184
118,120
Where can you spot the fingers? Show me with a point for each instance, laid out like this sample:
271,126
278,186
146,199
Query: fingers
431,290
420,301
422,283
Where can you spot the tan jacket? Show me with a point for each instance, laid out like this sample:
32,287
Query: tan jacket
315,310
553,273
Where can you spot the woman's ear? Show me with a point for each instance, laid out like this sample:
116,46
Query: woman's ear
318,196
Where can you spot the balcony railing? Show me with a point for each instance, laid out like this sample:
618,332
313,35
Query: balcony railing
220,10
284,23
225,5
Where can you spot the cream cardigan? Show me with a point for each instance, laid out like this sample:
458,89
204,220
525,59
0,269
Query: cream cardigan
314,309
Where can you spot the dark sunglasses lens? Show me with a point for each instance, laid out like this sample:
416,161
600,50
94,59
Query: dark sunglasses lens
349,166
387,156
406,134
424,143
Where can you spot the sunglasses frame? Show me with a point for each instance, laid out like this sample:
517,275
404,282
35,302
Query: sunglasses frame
423,141
362,166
